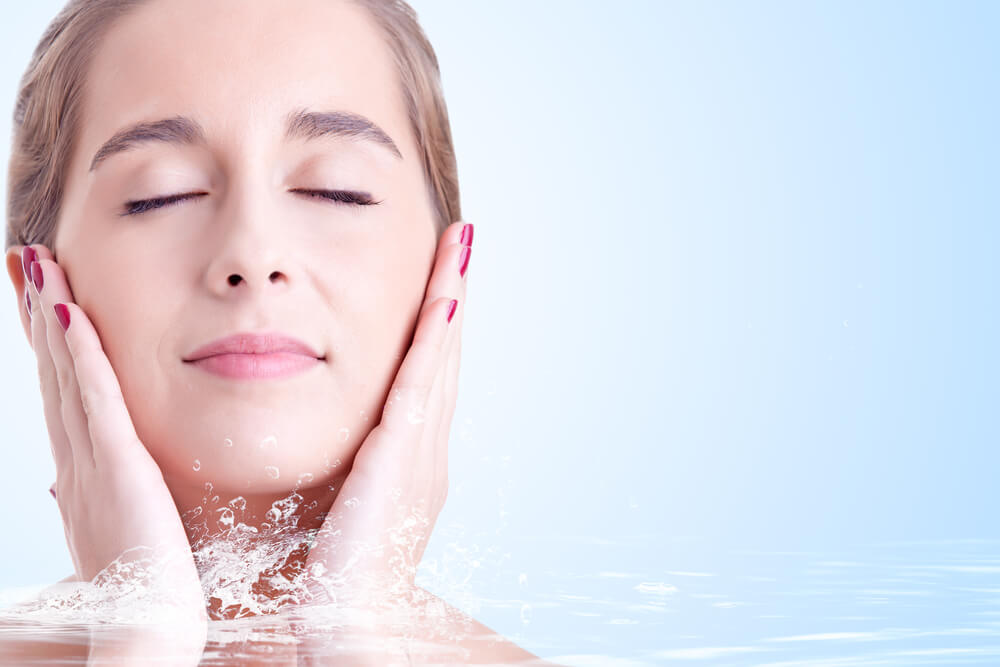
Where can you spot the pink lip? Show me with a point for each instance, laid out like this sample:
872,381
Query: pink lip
255,356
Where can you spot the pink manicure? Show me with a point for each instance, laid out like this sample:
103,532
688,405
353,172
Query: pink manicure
464,260
37,276
451,308
467,234
28,255
62,314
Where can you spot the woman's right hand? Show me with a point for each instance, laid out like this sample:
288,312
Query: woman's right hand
110,491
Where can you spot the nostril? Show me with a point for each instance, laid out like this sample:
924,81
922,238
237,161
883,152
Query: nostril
234,279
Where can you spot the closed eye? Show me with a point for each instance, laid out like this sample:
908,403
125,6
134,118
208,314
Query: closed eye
348,197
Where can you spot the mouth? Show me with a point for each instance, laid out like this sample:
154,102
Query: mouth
241,366
248,355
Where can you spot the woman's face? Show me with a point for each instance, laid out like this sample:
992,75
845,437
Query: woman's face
253,252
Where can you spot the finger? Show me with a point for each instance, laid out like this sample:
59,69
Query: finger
448,279
405,412
452,364
441,403
55,290
450,370
109,425
62,451
445,277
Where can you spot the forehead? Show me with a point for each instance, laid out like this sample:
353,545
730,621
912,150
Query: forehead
239,67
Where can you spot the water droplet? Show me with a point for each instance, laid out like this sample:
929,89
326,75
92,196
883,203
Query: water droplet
227,443
352,502
238,503
526,613
226,518
270,442
215,499
363,416
197,465
208,488
272,515
272,471
305,478
345,433
415,415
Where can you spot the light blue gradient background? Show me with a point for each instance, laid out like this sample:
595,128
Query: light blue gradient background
734,285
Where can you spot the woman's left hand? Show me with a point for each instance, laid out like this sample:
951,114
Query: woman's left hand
374,536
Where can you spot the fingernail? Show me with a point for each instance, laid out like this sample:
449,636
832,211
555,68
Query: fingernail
28,255
464,260
62,314
451,308
36,276
53,492
467,234
27,300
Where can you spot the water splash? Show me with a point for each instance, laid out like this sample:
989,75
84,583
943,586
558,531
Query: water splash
197,465
272,471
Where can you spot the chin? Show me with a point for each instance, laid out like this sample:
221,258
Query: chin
255,459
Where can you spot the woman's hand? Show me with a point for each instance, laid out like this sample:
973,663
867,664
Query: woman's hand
110,491
374,535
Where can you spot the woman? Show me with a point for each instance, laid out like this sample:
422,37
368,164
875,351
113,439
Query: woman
233,228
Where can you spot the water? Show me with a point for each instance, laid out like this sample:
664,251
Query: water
690,601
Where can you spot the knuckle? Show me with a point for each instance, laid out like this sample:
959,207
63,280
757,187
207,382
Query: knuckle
95,401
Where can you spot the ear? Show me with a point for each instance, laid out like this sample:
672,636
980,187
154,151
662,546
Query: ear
15,269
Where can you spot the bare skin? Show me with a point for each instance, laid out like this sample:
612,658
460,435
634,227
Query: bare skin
135,429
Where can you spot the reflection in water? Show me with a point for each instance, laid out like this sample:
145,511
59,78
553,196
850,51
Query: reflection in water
629,601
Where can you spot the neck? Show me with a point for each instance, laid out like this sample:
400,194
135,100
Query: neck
209,511
240,536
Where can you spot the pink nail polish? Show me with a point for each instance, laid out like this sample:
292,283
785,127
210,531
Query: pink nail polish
451,308
62,314
53,492
37,276
464,260
467,234
28,255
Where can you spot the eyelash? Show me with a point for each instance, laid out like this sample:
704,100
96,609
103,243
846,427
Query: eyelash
348,197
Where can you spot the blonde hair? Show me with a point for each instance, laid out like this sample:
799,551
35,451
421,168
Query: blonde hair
48,111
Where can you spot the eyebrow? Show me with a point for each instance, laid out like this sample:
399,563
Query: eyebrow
299,124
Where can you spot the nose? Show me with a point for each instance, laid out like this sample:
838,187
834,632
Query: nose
249,250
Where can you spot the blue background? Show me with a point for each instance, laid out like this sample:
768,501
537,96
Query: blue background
734,287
